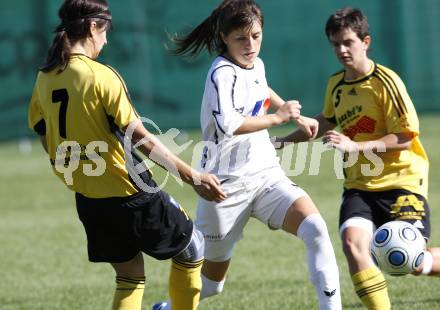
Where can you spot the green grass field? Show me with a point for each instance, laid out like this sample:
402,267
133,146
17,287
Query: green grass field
43,258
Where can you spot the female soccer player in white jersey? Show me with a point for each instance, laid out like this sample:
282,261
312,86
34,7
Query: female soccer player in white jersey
238,150
370,104
78,105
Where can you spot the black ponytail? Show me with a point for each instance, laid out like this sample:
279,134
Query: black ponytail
59,53
228,16
76,17
205,35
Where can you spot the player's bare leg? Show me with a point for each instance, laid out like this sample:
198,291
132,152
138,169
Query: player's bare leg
303,219
356,247
368,280
130,283
185,283
298,211
213,277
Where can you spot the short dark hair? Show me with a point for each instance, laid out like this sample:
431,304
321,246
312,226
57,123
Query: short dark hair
348,18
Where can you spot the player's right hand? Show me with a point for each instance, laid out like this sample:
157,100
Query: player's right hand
291,110
209,188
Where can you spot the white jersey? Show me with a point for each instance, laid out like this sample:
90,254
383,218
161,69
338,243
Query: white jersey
231,94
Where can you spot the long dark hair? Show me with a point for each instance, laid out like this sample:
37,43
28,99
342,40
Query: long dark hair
228,16
76,17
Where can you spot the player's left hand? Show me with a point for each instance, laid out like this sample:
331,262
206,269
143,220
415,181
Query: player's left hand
339,141
308,125
208,186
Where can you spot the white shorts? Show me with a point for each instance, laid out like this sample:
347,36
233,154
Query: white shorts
265,196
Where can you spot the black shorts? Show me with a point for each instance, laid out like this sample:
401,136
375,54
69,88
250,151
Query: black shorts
385,206
119,228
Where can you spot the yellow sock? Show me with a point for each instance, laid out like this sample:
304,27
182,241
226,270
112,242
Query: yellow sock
371,288
128,294
185,284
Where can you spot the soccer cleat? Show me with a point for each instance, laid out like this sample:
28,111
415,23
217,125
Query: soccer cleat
161,306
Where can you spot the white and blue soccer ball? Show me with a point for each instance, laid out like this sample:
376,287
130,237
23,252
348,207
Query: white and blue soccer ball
397,248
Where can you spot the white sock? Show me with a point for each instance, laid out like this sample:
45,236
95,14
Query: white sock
321,261
210,287
427,263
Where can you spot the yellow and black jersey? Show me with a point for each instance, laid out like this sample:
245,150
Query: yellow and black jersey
81,111
369,108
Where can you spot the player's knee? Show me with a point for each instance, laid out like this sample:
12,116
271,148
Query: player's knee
131,268
354,246
350,247
194,250
313,230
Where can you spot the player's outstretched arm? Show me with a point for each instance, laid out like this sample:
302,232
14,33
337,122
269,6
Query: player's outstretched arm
388,143
308,127
275,101
323,125
209,187
206,185
287,112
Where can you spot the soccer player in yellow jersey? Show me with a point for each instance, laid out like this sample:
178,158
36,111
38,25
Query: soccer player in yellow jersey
82,111
370,104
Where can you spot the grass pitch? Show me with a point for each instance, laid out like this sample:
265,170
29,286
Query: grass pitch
43,258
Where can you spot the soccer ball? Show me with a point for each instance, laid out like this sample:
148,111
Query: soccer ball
397,248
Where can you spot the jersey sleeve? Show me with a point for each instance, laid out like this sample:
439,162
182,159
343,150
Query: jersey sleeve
399,111
328,110
227,118
35,115
116,99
